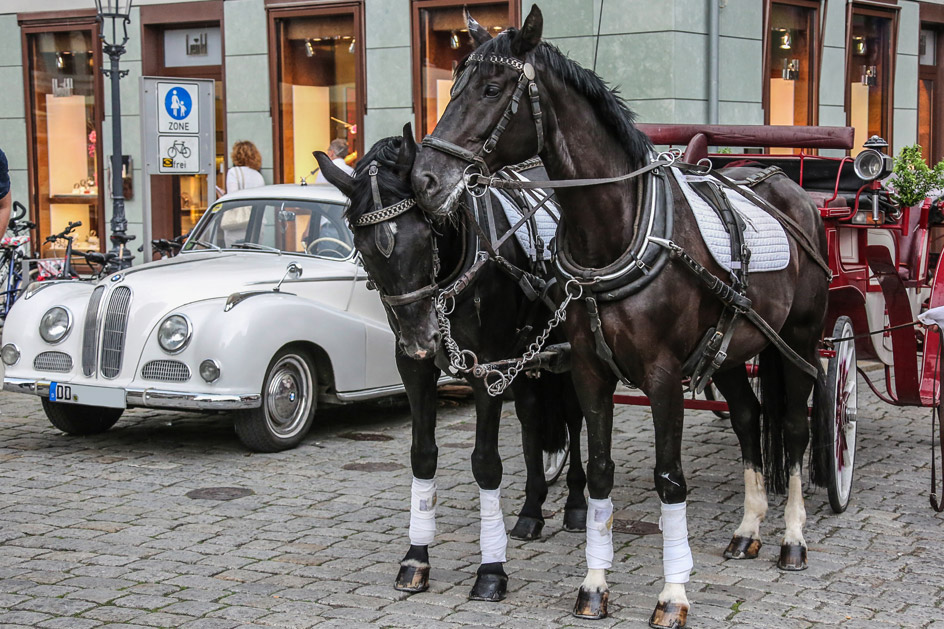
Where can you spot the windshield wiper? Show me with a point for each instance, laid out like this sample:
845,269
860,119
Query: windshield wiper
253,245
206,245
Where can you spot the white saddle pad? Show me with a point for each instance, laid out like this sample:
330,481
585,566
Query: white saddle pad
763,234
546,225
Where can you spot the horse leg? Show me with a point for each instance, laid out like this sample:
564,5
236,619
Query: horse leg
575,510
532,414
663,386
491,582
745,419
419,378
595,385
796,437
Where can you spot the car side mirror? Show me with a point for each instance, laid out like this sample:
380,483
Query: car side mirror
292,271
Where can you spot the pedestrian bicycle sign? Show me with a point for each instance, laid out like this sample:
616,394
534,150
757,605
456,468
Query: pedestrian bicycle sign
178,154
177,108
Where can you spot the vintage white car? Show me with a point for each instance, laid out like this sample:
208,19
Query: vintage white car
265,312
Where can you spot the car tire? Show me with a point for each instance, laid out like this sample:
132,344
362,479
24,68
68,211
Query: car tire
289,399
79,419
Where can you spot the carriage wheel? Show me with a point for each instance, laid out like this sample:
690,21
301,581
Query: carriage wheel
713,395
841,384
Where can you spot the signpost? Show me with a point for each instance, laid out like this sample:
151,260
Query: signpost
178,133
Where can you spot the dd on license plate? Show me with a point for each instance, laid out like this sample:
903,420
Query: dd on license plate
66,393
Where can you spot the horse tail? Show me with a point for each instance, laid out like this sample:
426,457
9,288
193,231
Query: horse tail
553,389
773,405
820,441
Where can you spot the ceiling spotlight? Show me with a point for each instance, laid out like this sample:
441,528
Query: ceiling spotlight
785,40
309,49
454,40
350,48
858,44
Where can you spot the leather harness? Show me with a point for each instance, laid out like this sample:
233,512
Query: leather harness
640,263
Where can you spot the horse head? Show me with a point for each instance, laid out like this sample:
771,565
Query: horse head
493,118
395,243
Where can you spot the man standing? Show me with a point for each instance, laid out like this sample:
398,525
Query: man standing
6,197
336,152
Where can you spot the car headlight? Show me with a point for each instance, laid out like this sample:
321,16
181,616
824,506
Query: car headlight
870,165
9,354
174,333
55,324
210,370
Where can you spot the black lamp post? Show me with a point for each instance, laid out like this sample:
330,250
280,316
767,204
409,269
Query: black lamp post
118,12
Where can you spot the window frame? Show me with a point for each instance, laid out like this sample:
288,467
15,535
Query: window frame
286,9
887,9
514,18
819,8
55,22
932,17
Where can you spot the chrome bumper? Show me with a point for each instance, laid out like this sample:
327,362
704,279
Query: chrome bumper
154,398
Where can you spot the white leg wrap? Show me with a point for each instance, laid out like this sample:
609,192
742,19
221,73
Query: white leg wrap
676,554
599,534
492,537
423,512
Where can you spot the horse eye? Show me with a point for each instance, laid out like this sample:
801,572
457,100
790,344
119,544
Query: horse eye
492,90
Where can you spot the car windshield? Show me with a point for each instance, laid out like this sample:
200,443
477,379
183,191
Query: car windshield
317,228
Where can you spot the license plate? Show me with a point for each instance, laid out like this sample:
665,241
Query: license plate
66,393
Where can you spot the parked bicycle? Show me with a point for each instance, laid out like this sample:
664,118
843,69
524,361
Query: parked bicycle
166,248
12,254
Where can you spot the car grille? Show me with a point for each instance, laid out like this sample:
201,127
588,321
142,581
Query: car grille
113,331
90,332
53,361
166,371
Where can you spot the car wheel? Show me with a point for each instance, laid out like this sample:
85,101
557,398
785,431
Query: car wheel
79,419
288,405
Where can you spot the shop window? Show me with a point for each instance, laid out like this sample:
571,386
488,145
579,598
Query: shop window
65,136
870,72
441,41
929,107
318,85
792,53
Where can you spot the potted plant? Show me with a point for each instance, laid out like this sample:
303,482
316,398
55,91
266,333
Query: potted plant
912,179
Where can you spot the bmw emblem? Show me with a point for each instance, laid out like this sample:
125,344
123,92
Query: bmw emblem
117,277
291,397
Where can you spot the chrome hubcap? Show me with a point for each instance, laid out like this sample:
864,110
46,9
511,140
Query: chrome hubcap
288,396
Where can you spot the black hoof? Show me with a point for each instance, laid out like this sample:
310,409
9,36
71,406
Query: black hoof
491,584
668,616
792,557
742,548
527,528
591,604
575,520
412,578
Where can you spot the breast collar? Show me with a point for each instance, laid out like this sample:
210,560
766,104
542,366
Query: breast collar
642,261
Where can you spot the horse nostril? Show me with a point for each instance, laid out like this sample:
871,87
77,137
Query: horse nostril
420,353
428,182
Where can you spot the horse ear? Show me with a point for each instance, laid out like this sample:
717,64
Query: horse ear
341,180
479,35
530,34
407,154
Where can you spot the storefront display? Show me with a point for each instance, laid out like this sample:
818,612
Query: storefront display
792,64
869,72
318,79
441,41
65,143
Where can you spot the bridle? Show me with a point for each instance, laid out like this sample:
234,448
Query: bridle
385,239
476,159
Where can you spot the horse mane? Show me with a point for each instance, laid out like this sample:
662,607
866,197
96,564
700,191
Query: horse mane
607,102
393,188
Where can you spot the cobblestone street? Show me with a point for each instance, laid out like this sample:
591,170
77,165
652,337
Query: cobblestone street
101,531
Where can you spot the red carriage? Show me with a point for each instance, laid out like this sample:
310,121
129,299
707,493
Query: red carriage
884,272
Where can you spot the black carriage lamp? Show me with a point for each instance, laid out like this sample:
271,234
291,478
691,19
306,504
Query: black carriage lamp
872,165
114,17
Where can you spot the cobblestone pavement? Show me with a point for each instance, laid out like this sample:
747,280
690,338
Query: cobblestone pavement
100,532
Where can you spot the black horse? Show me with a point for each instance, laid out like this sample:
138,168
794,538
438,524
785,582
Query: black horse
401,251
641,307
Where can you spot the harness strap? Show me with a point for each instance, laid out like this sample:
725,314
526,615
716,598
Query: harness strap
603,350
476,179
731,298
431,141
408,298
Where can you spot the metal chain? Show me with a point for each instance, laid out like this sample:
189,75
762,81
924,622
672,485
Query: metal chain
460,359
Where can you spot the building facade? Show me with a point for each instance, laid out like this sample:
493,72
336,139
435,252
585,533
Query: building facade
291,75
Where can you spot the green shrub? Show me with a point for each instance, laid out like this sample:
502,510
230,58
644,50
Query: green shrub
912,179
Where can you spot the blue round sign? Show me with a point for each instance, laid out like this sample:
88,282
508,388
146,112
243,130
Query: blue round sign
178,103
